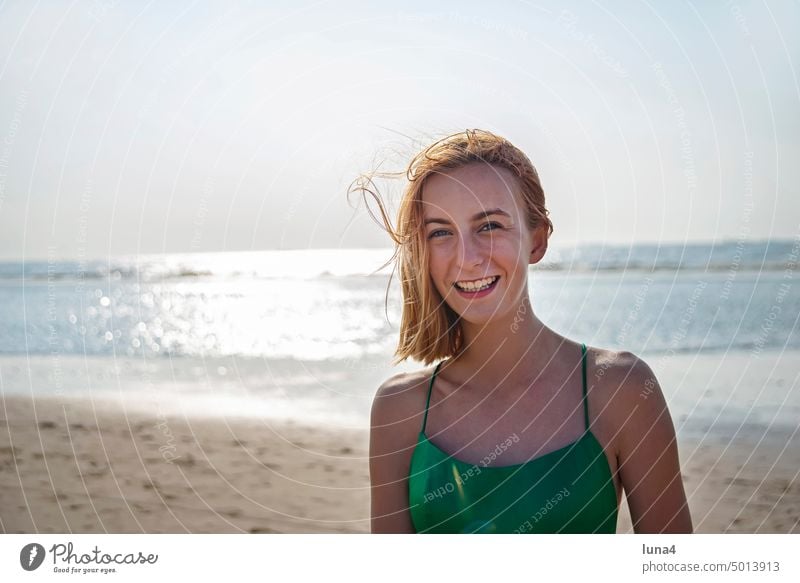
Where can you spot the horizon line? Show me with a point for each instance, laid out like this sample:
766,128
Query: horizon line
564,245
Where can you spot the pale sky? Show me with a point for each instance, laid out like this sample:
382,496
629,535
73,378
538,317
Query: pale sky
128,127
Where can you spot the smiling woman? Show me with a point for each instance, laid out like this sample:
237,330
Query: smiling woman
504,435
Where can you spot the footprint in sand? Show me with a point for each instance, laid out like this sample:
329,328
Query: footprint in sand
187,460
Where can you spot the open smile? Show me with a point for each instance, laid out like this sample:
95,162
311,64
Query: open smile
477,288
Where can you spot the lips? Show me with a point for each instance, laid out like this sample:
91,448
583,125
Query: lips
476,284
476,288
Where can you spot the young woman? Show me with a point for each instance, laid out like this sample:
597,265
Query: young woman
517,429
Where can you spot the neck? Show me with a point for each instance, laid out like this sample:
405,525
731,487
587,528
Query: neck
507,349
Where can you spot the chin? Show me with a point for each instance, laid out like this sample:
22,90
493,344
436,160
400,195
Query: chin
481,316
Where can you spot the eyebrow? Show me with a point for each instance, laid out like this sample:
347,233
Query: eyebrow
478,216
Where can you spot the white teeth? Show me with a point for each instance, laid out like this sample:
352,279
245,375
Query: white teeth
476,285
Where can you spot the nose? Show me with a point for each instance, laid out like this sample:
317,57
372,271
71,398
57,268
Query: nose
471,253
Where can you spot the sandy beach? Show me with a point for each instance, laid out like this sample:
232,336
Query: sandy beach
73,465
69,466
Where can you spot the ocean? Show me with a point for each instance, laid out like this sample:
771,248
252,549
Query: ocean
309,334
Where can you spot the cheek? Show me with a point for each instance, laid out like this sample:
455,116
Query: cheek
513,261
509,253
436,269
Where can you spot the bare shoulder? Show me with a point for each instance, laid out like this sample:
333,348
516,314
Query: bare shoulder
401,390
625,389
399,402
395,421
391,434
400,383
645,444
637,426
619,375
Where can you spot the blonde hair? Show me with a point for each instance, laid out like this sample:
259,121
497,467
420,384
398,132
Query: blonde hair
429,329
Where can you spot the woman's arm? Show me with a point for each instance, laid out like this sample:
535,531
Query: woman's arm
390,449
648,452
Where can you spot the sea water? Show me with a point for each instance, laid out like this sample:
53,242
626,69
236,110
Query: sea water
304,333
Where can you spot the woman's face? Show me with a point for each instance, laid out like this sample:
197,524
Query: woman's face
477,234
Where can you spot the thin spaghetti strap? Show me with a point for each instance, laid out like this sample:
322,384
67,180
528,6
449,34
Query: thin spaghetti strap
585,400
430,387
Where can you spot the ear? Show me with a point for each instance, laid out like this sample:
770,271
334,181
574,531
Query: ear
538,240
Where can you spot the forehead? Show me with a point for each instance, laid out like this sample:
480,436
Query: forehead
471,188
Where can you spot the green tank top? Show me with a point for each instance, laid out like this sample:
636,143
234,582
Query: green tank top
569,490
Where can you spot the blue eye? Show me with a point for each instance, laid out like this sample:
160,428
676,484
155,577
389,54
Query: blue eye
497,225
433,234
